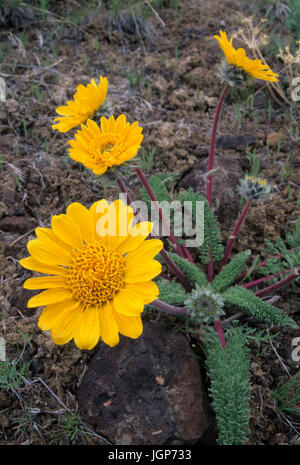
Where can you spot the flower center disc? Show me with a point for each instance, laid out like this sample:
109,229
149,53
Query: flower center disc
96,274
107,148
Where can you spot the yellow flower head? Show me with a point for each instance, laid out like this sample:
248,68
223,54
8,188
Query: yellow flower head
86,101
238,58
101,148
253,188
99,274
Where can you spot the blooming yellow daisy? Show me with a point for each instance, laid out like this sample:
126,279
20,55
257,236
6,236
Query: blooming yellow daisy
100,148
86,101
99,271
254,68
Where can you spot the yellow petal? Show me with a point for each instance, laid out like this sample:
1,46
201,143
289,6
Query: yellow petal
128,302
51,313
87,331
148,290
111,124
47,233
143,272
31,264
47,282
120,123
99,170
46,251
136,237
64,111
48,297
145,252
104,124
98,209
114,223
83,218
108,326
120,217
129,326
65,325
67,230
93,128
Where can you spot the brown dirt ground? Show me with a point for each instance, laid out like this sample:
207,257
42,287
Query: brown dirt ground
174,94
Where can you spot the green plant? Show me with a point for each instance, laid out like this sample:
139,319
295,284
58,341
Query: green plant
286,169
12,373
254,161
240,113
200,285
159,185
18,183
233,296
281,257
147,159
70,425
36,92
229,384
44,7
287,395
293,21
134,78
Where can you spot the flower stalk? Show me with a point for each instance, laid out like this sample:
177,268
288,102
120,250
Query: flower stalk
234,235
210,268
264,278
187,254
213,146
219,329
283,282
210,165
244,274
172,309
159,210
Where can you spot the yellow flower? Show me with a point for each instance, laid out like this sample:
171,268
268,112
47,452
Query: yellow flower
98,149
86,101
254,189
99,274
254,68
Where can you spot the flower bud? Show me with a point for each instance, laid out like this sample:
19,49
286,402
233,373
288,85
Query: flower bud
252,188
204,305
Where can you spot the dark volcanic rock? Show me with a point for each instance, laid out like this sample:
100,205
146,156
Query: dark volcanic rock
145,391
238,142
225,178
18,224
225,181
20,298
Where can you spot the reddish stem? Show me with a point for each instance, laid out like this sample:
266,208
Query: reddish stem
278,285
210,268
220,332
264,278
188,255
180,275
124,190
264,263
163,275
168,308
159,210
234,235
213,146
210,165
